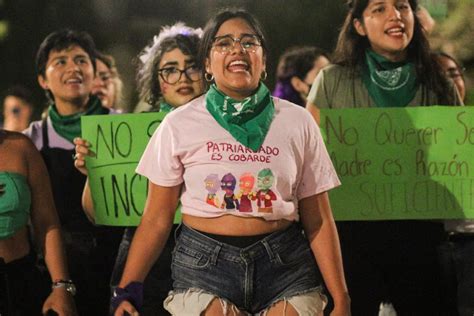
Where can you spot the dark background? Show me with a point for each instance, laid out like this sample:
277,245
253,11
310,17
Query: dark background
123,27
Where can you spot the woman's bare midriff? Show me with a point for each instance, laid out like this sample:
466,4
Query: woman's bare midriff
230,225
15,247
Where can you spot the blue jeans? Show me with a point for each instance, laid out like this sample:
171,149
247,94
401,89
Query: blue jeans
278,266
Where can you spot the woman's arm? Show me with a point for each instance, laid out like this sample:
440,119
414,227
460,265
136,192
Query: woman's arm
82,150
150,237
87,204
47,231
320,229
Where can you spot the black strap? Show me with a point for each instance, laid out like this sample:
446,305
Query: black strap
44,130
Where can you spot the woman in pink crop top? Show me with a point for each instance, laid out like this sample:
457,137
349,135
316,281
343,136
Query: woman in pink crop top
227,259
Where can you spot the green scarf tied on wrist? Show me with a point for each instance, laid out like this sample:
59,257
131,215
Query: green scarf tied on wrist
390,84
248,121
69,126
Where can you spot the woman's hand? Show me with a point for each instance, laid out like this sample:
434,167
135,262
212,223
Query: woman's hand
60,301
126,306
82,150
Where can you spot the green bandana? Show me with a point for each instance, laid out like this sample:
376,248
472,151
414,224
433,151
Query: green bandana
390,84
69,126
165,107
247,121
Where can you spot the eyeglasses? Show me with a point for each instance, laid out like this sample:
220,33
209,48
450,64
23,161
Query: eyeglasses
225,44
454,73
171,75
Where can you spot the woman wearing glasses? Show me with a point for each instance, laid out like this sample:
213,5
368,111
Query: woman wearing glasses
168,77
247,185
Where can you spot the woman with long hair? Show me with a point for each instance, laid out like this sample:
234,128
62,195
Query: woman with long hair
382,59
248,186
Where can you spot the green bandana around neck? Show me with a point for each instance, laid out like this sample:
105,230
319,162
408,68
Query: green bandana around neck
69,126
165,107
249,120
390,84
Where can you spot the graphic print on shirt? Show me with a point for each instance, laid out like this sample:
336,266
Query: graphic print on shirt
246,183
212,186
228,183
265,195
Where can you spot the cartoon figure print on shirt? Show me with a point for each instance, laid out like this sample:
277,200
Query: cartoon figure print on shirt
228,183
212,186
246,200
246,183
264,195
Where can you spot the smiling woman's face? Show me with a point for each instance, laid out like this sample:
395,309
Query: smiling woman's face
236,72
388,25
69,75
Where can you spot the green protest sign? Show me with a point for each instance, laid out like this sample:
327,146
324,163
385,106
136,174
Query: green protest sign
118,142
401,163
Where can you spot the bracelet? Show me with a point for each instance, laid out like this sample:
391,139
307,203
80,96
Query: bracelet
133,293
60,282
67,284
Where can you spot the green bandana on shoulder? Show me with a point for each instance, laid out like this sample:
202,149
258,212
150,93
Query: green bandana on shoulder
248,121
69,126
390,84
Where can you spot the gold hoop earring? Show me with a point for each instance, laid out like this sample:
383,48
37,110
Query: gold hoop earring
208,77
264,75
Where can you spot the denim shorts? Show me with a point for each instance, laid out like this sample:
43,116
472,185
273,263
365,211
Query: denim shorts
278,267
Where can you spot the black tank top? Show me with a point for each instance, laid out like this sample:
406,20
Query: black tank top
67,184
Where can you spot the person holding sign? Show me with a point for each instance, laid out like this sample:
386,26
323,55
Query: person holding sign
25,194
232,260
382,59
168,77
65,64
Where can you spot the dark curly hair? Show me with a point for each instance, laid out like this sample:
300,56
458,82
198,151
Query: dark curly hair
179,36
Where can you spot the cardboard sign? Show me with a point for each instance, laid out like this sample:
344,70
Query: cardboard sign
394,163
401,163
118,142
